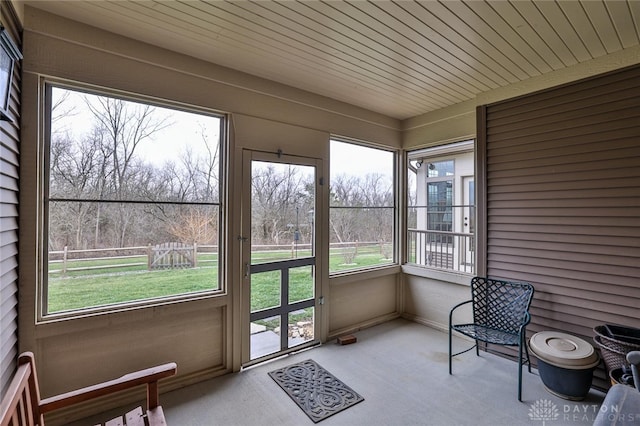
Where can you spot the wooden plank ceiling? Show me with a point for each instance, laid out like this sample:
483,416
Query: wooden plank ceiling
398,58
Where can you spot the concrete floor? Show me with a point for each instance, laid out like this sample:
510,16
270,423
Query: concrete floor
400,368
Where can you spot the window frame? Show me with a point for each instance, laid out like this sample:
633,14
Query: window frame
421,157
46,84
395,243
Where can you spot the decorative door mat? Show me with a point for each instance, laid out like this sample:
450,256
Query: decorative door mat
316,391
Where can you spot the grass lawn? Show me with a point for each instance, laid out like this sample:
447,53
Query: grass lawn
77,292
127,281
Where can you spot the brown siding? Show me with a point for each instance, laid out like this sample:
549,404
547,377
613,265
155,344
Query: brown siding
9,164
562,201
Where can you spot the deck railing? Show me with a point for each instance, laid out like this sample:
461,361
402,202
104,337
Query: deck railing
450,251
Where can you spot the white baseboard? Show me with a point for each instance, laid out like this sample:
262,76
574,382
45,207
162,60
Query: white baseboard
365,324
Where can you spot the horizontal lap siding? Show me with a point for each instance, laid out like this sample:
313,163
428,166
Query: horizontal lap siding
563,201
9,164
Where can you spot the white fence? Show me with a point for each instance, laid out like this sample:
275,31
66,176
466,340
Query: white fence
449,251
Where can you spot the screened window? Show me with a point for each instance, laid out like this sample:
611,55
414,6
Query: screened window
440,195
441,208
133,205
362,207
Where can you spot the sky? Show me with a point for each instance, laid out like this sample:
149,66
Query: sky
165,145
352,159
170,142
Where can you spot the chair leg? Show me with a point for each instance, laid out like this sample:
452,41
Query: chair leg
520,370
477,348
450,350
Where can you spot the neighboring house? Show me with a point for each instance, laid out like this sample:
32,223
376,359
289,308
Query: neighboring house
442,208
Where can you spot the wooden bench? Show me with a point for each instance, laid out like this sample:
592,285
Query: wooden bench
22,406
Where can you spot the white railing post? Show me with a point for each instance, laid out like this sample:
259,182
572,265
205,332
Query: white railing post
451,251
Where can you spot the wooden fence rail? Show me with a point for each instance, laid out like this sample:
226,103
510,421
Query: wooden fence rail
166,256
146,255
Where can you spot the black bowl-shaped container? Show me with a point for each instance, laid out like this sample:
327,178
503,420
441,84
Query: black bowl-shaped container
565,363
566,383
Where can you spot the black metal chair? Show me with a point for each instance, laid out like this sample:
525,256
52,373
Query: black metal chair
500,316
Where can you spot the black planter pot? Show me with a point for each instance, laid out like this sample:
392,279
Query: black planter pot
565,363
566,383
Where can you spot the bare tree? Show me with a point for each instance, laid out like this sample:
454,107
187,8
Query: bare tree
209,165
62,108
361,208
377,191
74,170
125,125
277,199
195,225
343,218
104,171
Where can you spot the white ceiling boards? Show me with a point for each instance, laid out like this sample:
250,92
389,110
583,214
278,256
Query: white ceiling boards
401,59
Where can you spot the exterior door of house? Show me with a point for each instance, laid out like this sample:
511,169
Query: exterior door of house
468,258
279,289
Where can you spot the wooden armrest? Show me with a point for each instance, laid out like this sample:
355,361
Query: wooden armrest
148,377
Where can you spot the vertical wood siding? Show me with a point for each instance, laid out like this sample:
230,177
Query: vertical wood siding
9,164
563,201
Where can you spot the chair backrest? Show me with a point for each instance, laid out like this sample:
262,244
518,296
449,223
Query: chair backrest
20,405
501,305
